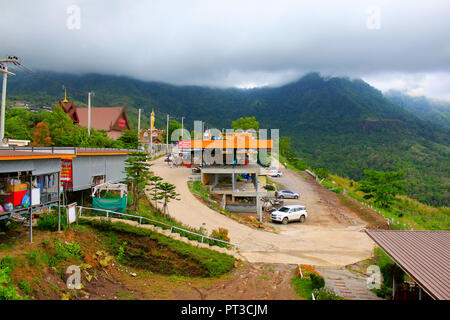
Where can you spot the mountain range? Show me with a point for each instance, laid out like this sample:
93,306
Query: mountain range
342,124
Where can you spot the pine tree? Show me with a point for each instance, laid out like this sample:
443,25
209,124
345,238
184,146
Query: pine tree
138,175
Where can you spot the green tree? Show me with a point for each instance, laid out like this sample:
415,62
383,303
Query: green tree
245,124
383,187
173,125
285,147
166,192
138,174
322,173
62,129
153,182
129,139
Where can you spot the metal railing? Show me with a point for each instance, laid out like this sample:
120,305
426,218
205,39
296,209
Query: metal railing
172,227
62,150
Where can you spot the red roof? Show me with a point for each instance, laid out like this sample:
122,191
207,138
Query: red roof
70,109
105,118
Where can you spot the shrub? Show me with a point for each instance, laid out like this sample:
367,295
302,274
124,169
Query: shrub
7,291
49,221
322,173
269,187
220,234
326,294
317,281
307,271
64,251
25,286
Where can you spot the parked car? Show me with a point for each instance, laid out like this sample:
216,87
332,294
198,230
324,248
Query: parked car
274,173
290,213
286,194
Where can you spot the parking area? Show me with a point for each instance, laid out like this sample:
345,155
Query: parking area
322,240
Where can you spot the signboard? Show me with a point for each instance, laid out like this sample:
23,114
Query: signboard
71,213
66,170
184,144
121,123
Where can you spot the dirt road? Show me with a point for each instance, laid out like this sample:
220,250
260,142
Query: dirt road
322,241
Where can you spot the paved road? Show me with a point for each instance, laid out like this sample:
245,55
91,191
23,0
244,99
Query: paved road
321,245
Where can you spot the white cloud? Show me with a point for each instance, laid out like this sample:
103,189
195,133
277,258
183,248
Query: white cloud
435,85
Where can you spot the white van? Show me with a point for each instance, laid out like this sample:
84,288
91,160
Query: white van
289,213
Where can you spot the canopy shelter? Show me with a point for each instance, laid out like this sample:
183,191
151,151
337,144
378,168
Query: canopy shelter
423,255
110,201
120,187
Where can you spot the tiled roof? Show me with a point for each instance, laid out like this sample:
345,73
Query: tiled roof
101,118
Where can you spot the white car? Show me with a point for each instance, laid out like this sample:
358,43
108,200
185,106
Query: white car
289,213
274,173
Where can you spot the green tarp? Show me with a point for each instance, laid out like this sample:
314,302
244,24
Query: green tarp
117,204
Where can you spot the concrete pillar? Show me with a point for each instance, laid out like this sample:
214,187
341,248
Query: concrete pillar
258,202
224,201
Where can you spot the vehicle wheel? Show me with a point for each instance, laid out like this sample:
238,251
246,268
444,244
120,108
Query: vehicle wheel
281,197
296,197
302,218
285,221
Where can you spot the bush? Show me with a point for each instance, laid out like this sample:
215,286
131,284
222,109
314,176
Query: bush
64,251
322,173
220,234
269,187
317,281
49,221
7,291
326,294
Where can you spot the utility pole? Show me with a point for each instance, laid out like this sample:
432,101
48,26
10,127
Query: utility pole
151,135
89,113
182,128
167,135
4,70
139,121
139,127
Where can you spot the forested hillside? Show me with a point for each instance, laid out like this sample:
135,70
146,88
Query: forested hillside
424,108
341,124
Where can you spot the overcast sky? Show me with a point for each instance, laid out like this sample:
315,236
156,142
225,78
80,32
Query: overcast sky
244,43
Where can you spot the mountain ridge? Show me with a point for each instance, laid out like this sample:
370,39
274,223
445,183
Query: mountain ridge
339,123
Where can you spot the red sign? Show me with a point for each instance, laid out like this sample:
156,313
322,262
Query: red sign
66,170
184,144
121,123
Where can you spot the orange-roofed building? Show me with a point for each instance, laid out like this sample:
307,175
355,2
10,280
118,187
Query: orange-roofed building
113,120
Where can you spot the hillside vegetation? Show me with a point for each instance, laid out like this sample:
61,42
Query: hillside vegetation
337,123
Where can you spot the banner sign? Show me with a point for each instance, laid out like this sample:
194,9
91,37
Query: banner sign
66,170
184,144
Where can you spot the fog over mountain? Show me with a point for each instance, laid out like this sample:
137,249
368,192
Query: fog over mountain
400,45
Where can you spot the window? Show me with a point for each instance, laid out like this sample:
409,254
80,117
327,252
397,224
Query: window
284,209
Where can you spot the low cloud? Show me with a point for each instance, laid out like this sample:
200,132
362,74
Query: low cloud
235,43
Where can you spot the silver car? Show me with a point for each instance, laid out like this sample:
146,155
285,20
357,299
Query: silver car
286,194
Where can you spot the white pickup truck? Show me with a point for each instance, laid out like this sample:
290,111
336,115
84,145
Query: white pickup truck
289,213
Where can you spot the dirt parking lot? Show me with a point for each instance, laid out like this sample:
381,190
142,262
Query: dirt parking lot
331,236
